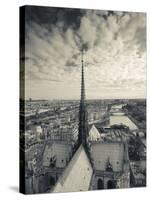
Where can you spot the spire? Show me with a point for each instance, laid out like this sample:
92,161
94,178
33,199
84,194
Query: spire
83,116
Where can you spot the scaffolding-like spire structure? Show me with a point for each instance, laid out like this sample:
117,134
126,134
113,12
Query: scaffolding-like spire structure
83,116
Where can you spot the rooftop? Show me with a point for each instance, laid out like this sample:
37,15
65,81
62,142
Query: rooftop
77,175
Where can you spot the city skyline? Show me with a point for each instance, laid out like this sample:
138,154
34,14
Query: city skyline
114,54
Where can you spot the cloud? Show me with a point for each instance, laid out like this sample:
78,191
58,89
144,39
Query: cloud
114,56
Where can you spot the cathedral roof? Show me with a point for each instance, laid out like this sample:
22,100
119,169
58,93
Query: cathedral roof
77,175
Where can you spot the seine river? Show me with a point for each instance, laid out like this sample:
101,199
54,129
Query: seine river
120,118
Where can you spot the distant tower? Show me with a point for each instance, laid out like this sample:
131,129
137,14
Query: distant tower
125,156
83,115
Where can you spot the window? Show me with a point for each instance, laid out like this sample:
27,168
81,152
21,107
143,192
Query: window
110,184
109,168
100,184
52,180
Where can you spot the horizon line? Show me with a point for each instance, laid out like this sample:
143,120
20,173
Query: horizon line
114,98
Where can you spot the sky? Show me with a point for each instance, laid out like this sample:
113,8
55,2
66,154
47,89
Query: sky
114,46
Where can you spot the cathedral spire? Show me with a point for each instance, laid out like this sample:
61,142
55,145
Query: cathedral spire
83,116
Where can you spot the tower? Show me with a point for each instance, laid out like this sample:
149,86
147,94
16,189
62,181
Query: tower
83,116
125,157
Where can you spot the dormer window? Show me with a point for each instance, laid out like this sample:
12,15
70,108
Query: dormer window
109,167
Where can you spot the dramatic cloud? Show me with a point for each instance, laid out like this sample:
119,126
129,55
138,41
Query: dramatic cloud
114,53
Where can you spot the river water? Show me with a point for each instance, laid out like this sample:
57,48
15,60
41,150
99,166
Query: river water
121,118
